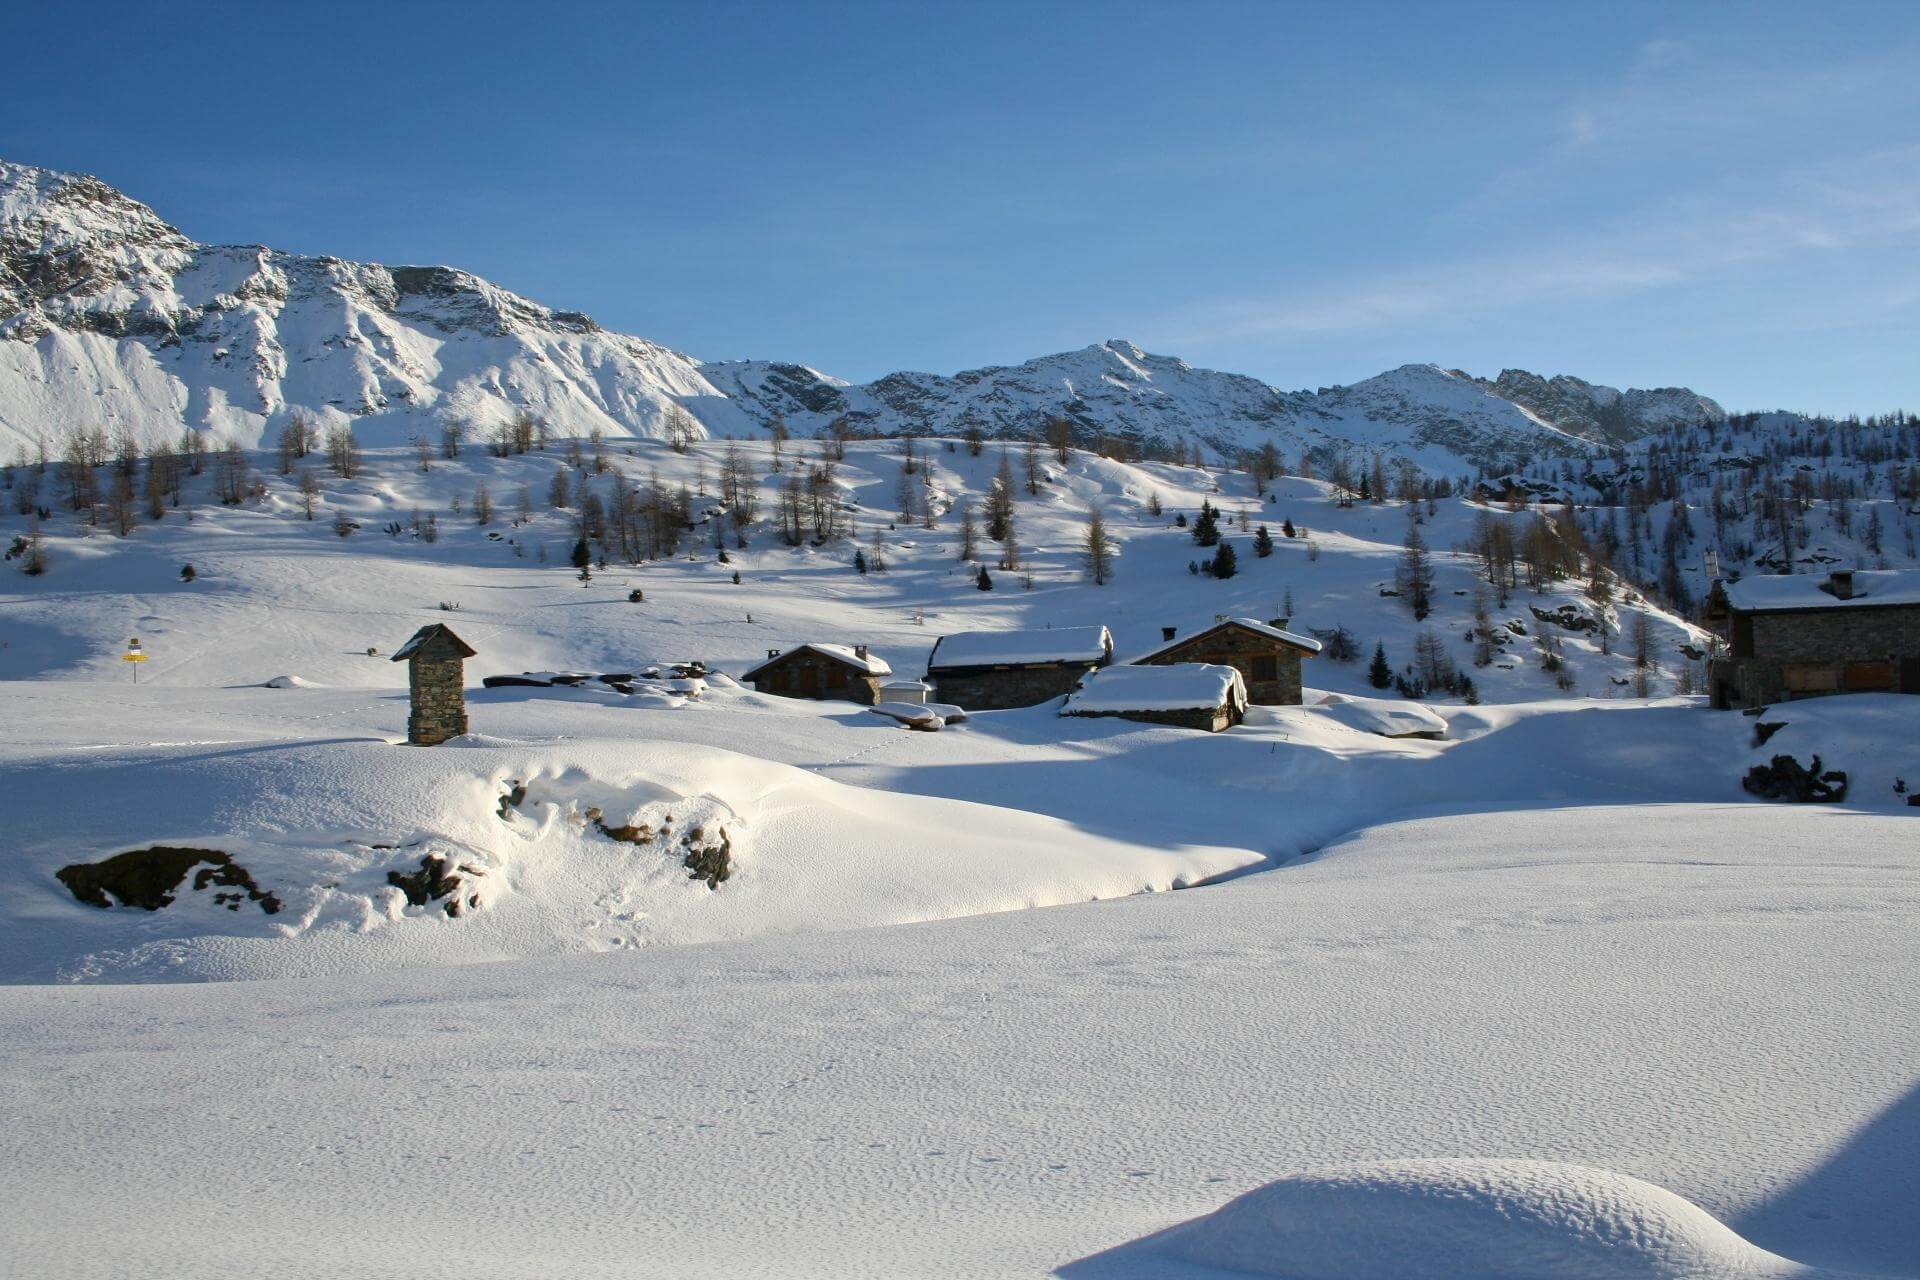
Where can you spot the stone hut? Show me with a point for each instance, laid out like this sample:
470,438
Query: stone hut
1266,655
834,672
996,670
1802,635
437,709
1190,695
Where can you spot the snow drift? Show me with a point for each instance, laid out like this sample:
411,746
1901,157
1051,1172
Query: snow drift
379,856
1469,1220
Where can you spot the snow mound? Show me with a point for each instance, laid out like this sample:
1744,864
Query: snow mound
1388,719
1468,1220
379,856
289,682
912,714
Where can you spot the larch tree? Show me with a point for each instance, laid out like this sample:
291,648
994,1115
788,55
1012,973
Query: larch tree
1414,576
1060,437
1098,548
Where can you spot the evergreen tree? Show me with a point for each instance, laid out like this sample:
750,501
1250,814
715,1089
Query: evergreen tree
1286,528
983,580
1262,543
1379,674
1206,526
1224,561
582,557
859,561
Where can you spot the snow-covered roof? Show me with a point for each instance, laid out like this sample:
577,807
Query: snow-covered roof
436,639
1871,587
870,664
1306,644
1177,686
1013,648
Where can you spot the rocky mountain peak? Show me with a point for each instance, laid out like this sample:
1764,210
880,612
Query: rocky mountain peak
110,315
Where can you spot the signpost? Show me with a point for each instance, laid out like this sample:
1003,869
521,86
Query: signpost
135,656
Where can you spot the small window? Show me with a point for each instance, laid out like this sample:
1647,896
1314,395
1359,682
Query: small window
836,677
1266,667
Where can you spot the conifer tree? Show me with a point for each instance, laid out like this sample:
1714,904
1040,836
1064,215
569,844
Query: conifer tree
1099,549
1225,563
1379,674
1000,500
983,580
1206,526
1415,574
1262,543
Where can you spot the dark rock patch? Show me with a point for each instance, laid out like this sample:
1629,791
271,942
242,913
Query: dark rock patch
1567,616
709,860
1786,779
627,834
437,880
148,879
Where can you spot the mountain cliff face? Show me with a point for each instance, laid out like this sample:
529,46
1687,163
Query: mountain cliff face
111,317
1602,413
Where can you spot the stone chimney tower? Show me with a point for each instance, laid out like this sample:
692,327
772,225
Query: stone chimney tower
435,659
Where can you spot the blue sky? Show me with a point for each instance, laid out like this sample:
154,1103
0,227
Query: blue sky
1725,196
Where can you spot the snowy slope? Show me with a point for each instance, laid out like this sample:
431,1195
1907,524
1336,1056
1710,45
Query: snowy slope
276,593
1056,810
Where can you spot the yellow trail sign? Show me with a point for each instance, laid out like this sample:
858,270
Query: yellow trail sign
133,657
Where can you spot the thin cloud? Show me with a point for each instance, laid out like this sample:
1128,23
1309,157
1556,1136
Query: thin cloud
1869,201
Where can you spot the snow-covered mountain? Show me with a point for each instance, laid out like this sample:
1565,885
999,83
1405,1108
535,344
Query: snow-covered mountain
111,317
1441,418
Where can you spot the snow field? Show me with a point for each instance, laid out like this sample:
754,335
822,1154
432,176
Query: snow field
1708,998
